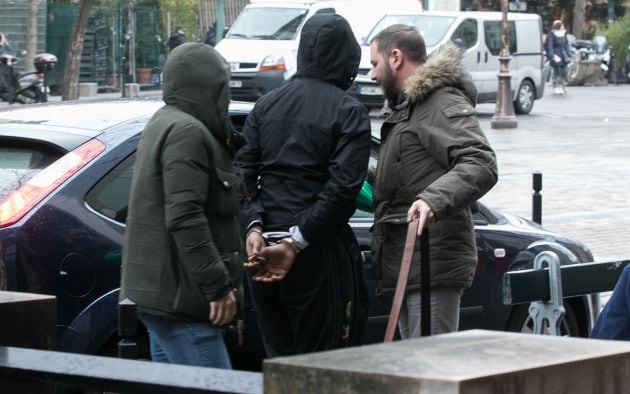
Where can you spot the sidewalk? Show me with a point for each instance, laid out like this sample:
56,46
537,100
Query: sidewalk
580,144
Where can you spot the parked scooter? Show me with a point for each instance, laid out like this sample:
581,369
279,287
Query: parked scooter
31,87
601,51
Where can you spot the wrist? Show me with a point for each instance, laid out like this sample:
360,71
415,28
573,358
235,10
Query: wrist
292,244
253,230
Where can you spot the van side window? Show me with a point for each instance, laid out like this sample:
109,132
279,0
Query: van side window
492,30
466,34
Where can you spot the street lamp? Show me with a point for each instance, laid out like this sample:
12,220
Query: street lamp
504,113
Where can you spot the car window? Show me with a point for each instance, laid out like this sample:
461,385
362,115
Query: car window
492,31
110,196
266,23
432,28
359,214
20,161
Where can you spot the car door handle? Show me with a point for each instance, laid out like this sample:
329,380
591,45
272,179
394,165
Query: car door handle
478,57
486,58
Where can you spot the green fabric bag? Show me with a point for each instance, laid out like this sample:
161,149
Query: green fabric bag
365,199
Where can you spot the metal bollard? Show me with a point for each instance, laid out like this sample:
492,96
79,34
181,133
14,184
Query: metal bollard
127,329
537,198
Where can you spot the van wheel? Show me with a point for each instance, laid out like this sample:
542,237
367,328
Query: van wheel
524,101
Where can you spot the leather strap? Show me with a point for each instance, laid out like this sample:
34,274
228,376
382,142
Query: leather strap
403,277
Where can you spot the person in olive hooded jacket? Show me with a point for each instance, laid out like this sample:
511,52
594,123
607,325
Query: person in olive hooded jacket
183,252
308,145
434,163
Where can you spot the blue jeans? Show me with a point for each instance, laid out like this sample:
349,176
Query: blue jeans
188,342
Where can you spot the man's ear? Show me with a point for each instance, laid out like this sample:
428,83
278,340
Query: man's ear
396,59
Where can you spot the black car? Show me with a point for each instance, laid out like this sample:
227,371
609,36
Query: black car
65,173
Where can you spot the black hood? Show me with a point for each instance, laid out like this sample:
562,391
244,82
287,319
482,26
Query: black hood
328,50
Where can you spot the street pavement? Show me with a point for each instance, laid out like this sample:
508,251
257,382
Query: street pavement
581,144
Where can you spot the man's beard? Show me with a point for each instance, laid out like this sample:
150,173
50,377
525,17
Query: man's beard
388,84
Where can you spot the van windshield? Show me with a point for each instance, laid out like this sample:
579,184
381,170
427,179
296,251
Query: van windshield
267,23
432,28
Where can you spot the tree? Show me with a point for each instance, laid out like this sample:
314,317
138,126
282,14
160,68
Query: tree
31,33
578,18
70,89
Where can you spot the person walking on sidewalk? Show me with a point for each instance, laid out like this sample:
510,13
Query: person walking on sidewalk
434,163
177,38
183,253
559,54
308,146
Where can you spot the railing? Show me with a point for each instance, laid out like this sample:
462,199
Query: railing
548,283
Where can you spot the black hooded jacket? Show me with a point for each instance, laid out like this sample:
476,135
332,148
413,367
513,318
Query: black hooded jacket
308,142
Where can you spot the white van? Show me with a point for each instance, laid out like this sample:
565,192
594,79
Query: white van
261,46
479,33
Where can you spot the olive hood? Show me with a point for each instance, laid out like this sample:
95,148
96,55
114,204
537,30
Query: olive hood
196,81
328,50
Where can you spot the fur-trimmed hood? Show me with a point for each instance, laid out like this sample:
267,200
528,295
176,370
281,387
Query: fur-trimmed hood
442,68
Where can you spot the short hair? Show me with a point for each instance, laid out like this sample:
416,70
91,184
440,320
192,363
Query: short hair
179,27
406,38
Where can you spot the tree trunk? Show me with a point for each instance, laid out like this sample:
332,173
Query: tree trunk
75,49
578,18
31,34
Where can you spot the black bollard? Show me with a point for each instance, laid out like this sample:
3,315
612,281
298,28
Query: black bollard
537,198
127,329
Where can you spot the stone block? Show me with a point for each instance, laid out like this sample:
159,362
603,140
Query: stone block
28,320
589,74
467,362
87,89
132,90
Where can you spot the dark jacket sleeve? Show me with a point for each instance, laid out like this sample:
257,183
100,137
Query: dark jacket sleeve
185,161
456,140
347,169
248,160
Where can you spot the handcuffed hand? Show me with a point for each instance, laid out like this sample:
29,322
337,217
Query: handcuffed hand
273,262
254,244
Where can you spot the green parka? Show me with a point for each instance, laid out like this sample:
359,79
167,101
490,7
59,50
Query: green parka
432,148
182,244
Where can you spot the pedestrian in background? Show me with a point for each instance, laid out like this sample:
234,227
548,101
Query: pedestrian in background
177,38
211,35
183,253
5,46
434,163
558,52
308,146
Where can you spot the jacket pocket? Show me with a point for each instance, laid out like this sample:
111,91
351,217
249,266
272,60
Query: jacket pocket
223,199
189,300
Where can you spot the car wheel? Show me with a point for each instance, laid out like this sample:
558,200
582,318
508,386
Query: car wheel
525,95
520,321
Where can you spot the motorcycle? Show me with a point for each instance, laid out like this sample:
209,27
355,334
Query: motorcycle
580,50
601,52
29,87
